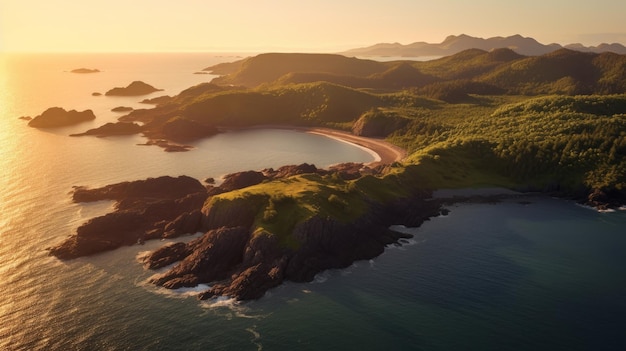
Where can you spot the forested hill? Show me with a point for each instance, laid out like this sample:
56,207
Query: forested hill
555,122
500,71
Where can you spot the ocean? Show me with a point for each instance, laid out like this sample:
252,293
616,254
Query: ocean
543,275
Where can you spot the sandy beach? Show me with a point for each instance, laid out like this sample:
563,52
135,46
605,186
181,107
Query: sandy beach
387,152
383,151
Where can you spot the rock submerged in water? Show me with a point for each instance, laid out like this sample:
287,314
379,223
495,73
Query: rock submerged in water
59,117
135,88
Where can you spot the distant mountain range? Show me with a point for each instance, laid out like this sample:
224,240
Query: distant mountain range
455,44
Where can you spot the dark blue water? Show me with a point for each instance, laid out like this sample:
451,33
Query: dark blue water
546,276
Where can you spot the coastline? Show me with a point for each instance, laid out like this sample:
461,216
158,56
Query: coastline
383,151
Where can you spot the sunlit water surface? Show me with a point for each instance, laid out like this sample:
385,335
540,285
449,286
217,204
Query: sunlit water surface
549,275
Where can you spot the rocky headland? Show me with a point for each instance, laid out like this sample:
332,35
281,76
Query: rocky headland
112,129
135,88
236,255
59,117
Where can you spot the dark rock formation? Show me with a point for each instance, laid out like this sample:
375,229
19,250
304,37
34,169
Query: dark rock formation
110,129
602,200
252,263
85,70
59,117
148,209
168,146
156,188
167,255
238,259
241,180
133,89
96,94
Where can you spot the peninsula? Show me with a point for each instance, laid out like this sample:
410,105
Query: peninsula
554,124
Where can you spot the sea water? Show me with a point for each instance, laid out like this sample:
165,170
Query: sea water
546,275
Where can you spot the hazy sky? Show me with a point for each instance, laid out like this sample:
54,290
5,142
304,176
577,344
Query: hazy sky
289,25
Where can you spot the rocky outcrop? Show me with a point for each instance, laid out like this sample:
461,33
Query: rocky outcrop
213,257
244,265
236,257
59,117
111,129
121,109
135,88
603,200
148,209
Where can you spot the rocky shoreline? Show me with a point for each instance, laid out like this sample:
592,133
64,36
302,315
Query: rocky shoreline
236,260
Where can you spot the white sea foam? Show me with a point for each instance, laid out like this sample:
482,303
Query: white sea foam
321,277
255,337
609,210
220,301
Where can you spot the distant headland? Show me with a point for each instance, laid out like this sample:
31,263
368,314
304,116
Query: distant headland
454,44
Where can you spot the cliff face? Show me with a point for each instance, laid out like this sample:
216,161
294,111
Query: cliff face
152,208
241,263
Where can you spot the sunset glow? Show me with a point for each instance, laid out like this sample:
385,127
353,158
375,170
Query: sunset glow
280,25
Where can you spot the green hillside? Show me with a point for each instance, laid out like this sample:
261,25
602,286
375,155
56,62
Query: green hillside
472,119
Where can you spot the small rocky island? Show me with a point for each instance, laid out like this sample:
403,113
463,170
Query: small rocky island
135,88
85,70
59,117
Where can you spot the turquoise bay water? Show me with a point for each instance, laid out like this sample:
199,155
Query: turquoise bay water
545,276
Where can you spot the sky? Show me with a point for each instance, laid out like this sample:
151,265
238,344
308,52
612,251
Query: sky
290,25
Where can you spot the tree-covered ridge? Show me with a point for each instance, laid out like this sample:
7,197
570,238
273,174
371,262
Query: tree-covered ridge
501,71
554,143
463,118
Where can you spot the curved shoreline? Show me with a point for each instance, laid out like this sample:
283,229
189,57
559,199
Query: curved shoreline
386,153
